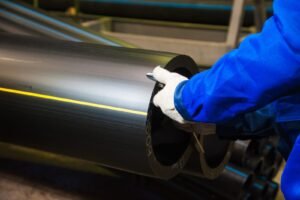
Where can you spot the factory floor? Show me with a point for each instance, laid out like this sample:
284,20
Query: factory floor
26,181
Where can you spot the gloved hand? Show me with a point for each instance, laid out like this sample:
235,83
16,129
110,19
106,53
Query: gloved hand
165,98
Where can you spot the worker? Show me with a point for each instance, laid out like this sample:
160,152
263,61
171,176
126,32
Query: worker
262,74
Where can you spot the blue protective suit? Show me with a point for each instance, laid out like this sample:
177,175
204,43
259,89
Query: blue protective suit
264,68
263,73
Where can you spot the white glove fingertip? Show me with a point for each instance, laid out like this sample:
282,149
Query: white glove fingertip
181,120
161,75
174,115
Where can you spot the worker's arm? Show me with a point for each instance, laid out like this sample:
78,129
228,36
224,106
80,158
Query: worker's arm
265,67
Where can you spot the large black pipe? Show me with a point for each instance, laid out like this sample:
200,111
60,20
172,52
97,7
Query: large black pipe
51,26
11,22
90,102
244,150
206,12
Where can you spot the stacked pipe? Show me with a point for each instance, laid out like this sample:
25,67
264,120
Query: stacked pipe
263,160
249,174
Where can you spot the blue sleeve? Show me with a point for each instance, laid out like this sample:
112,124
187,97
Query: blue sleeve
264,68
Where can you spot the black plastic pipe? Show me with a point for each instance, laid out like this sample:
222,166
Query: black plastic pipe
258,189
90,102
244,150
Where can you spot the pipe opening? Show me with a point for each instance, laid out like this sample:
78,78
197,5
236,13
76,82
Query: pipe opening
215,150
169,143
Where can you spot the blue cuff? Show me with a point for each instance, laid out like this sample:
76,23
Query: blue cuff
179,103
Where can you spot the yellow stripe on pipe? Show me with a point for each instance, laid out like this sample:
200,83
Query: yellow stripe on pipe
66,100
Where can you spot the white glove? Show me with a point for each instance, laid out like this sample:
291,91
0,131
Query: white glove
165,98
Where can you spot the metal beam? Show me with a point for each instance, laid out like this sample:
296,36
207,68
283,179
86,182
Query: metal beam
237,16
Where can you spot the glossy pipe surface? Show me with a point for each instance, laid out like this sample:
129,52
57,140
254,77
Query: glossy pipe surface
90,102
12,23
